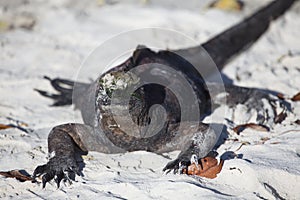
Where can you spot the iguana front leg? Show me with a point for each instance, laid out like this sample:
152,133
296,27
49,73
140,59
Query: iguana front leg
201,145
67,141
63,144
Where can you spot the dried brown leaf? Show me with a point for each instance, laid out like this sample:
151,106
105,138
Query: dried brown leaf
258,127
280,117
4,126
280,96
275,143
230,5
264,139
243,143
210,168
20,175
296,97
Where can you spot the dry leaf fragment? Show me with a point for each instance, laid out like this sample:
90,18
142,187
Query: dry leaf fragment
210,168
297,121
4,25
4,126
296,97
230,5
258,127
243,143
264,139
280,117
17,124
20,175
275,143
281,96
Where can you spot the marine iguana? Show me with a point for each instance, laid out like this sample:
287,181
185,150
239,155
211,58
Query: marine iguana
103,101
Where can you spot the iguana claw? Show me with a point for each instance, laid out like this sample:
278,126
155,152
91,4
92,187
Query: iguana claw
59,169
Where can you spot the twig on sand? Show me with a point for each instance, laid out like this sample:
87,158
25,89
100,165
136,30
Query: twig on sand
36,194
273,191
22,126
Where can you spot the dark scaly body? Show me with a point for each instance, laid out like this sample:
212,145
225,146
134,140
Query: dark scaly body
102,133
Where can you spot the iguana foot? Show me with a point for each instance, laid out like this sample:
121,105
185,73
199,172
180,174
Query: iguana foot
251,105
60,168
180,164
258,107
176,165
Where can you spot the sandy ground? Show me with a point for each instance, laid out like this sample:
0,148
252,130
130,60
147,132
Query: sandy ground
60,34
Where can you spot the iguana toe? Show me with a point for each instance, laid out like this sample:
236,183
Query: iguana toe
57,168
176,165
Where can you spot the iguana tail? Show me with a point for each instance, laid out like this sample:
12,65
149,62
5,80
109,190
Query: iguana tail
226,45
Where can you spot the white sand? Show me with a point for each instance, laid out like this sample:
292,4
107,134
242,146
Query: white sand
67,31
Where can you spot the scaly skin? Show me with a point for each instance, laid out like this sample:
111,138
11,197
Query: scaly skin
103,133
